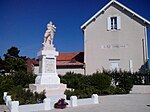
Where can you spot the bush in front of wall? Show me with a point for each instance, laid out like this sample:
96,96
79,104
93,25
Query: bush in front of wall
123,80
85,86
71,79
109,90
119,90
26,96
100,81
19,78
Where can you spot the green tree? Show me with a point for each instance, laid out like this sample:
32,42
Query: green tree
1,63
23,79
1,66
12,52
13,62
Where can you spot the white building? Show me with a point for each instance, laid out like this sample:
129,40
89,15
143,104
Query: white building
115,38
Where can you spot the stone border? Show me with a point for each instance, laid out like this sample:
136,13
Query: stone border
47,104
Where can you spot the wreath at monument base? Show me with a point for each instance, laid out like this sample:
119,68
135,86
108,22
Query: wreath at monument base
61,104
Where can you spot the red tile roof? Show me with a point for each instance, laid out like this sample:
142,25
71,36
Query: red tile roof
67,56
30,64
70,59
34,62
63,60
68,63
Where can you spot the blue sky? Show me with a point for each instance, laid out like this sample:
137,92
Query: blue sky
23,22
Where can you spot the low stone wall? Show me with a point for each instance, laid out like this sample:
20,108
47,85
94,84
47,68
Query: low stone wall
14,106
87,101
47,105
140,89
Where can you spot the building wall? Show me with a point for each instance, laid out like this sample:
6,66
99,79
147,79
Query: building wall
36,69
140,89
75,70
98,43
62,71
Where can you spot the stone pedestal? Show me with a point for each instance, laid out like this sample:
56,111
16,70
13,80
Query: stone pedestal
48,79
47,68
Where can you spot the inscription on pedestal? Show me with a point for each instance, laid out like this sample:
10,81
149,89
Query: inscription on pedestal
49,65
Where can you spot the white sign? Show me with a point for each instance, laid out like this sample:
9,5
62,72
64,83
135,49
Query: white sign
114,46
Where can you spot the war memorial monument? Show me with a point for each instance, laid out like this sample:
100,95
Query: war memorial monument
47,79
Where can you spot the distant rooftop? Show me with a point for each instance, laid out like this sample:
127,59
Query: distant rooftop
69,60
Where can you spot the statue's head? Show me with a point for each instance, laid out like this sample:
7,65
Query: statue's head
50,23
50,26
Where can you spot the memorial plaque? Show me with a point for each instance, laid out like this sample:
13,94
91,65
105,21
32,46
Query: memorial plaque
49,65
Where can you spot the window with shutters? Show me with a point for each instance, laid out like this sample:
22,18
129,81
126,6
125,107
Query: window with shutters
113,23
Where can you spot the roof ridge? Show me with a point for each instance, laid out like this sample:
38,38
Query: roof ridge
67,56
68,52
105,7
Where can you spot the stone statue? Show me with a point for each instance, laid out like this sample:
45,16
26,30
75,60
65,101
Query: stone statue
49,34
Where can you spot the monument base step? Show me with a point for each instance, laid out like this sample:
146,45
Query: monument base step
51,90
47,78
55,98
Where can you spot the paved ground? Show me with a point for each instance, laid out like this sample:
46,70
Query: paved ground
112,103
115,103
3,108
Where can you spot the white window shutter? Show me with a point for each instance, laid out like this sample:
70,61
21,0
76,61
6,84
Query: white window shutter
131,66
108,24
118,23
